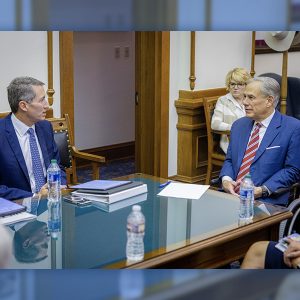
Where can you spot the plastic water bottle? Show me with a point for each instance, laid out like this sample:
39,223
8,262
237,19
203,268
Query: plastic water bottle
246,199
54,180
54,218
135,234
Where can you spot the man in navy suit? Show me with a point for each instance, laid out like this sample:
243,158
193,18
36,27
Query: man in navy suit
275,163
28,103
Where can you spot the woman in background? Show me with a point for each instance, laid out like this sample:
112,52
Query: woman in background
230,107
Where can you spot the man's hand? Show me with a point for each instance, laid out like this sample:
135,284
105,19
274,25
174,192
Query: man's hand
291,255
230,187
44,190
257,192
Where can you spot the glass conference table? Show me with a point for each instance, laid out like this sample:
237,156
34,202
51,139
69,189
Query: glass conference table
180,233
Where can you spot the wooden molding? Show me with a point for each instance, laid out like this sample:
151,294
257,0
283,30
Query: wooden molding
252,71
50,90
66,75
192,77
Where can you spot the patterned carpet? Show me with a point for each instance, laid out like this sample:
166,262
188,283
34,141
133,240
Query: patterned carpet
109,170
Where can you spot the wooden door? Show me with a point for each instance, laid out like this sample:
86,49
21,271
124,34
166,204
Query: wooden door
152,97
152,102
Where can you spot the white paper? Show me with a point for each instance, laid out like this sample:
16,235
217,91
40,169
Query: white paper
184,190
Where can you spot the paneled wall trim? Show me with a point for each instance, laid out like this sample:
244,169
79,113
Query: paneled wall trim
192,136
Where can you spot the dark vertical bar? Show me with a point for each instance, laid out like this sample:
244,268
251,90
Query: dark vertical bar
40,14
18,13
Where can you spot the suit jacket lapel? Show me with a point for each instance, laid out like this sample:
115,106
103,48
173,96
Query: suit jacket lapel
270,135
15,146
43,146
243,141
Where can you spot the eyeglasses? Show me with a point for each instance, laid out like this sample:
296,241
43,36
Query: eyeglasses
238,85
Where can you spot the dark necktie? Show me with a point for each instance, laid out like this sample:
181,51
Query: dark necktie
250,153
37,167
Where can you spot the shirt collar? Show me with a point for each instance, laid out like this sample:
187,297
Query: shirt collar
19,126
266,122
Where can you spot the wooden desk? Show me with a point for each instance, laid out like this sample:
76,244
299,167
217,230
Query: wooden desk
180,233
219,249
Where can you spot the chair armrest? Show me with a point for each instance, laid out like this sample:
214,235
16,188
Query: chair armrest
226,132
282,191
87,156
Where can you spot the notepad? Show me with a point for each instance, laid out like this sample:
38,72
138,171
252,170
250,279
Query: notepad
183,190
8,207
100,184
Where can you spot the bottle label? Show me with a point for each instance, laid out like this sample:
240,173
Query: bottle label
140,228
53,177
246,194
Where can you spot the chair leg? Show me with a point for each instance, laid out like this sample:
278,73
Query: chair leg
209,171
96,171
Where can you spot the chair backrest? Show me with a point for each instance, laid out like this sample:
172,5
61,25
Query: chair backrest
4,114
278,79
291,225
63,138
213,136
293,103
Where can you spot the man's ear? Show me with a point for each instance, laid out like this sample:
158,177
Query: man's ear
23,105
270,100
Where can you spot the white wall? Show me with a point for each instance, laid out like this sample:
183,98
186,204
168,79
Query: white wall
25,54
216,53
103,89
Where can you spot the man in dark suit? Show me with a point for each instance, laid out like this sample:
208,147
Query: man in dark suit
26,141
265,144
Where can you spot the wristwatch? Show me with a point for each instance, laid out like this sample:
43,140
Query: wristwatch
264,191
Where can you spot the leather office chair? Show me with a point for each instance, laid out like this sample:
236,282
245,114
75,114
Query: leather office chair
69,154
293,104
215,156
291,225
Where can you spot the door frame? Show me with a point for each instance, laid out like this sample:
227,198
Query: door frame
159,128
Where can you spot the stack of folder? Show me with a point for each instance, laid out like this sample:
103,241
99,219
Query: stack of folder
109,191
12,212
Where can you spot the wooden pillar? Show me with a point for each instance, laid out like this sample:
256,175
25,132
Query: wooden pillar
283,92
50,90
252,71
192,77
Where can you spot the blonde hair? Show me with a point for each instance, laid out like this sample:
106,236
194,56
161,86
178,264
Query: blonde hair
239,75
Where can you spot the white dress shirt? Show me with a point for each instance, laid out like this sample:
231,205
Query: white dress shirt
21,130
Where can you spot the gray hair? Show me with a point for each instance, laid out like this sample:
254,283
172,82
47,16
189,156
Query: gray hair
20,89
269,87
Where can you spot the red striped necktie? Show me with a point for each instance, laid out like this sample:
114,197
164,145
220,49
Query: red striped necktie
250,153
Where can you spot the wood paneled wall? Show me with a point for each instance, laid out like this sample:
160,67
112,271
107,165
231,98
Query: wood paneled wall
192,136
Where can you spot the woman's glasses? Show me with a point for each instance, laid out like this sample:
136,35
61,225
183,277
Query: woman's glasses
235,84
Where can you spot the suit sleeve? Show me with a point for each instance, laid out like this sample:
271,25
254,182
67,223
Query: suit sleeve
290,173
13,193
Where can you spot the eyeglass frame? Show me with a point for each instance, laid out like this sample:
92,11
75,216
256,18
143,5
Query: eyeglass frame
238,85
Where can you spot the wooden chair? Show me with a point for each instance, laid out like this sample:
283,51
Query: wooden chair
69,154
4,114
214,154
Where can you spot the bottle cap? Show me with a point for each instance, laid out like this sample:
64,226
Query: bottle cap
54,235
53,161
136,208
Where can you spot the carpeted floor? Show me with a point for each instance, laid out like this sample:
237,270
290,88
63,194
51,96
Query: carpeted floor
109,170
